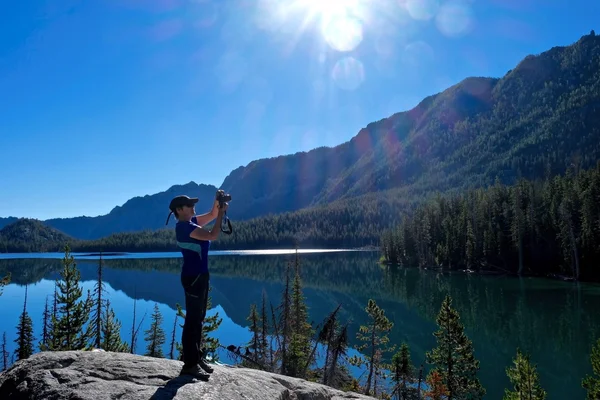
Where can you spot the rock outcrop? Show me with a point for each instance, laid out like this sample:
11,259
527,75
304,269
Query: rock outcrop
83,375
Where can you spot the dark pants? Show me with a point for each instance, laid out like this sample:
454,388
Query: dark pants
196,298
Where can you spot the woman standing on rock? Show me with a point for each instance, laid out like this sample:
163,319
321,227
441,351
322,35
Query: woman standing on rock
194,241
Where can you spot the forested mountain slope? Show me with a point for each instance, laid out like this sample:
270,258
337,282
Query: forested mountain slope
540,118
30,235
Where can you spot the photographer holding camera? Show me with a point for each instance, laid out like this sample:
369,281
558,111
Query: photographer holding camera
194,241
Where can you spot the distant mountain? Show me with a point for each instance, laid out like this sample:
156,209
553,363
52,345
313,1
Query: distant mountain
538,119
138,213
31,235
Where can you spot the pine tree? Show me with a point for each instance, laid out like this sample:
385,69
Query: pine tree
453,358
274,355
254,339
265,355
211,323
69,329
135,330
180,314
25,336
256,349
419,381
55,302
301,329
375,336
326,336
96,318
4,353
403,371
525,380
470,246
338,349
518,225
111,332
155,335
569,211
285,320
173,340
591,383
46,327
52,340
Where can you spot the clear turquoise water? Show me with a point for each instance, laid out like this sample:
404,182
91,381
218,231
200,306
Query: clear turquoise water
555,321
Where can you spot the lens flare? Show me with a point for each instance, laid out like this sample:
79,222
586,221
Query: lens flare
339,21
422,9
454,18
348,73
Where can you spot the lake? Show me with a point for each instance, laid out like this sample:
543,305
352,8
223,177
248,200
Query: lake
555,321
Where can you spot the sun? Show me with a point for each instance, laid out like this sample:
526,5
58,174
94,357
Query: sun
339,21
328,9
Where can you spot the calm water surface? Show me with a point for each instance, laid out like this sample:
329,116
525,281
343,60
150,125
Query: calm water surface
556,322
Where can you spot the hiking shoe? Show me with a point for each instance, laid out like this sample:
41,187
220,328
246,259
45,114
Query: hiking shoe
194,371
205,366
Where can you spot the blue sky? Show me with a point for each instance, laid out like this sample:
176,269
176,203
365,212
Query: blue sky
102,101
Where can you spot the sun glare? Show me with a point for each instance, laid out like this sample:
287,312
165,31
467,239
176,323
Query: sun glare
339,21
330,8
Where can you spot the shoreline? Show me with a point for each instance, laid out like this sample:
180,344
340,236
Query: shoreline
280,251
548,276
176,253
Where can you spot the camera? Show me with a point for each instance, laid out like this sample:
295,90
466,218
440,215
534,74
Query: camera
223,198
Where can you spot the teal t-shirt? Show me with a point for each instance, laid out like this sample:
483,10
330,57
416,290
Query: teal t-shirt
194,251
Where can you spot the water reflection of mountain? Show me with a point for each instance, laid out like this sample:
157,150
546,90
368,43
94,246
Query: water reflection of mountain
555,321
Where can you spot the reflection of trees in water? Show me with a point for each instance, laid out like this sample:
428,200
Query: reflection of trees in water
546,318
498,307
28,271
495,306
553,320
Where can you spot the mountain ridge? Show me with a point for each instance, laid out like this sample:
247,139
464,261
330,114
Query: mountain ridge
538,119
136,214
461,107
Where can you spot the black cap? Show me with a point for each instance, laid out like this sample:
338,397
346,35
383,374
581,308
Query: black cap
180,201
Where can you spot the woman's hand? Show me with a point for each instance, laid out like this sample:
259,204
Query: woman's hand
224,208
